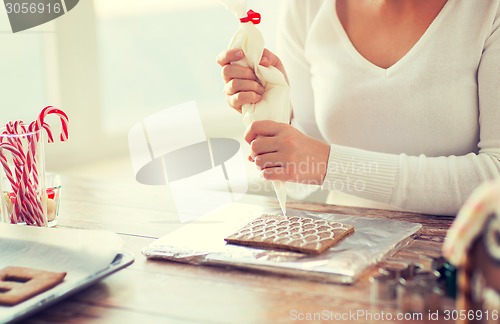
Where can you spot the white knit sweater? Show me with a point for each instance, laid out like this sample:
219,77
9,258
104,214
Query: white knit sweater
419,135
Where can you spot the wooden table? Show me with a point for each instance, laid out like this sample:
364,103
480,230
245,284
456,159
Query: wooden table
166,292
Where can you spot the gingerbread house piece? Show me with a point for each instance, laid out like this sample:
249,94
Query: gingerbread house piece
473,246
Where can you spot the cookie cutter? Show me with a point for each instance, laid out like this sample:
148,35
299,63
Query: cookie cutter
394,269
420,294
383,286
384,283
401,269
415,288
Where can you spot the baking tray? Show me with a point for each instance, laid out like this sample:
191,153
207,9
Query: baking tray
11,314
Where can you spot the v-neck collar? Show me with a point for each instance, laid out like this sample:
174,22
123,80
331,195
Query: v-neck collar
431,29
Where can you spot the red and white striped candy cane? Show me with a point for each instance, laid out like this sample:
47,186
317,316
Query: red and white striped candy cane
12,128
33,210
50,138
30,182
33,140
12,180
17,158
5,164
62,116
33,127
31,179
40,123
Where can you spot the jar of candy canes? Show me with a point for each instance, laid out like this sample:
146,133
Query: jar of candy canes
26,197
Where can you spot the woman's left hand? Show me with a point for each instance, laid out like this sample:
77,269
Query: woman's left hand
283,153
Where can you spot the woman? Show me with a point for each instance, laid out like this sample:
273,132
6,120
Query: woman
394,101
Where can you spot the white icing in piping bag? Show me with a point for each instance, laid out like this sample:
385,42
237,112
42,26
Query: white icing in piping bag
275,103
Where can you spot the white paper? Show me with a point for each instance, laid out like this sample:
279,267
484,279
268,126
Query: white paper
275,102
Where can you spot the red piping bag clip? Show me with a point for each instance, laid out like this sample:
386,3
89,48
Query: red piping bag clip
252,16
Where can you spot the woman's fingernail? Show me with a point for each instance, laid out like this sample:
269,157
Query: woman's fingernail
239,54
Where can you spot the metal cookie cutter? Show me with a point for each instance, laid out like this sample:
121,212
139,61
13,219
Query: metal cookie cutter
420,291
385,282
394,269
383,287
406,281
401,269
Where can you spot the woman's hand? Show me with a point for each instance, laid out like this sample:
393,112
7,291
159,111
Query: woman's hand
241,84
283,153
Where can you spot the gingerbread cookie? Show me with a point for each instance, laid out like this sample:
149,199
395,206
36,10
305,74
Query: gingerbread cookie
18,284
294,233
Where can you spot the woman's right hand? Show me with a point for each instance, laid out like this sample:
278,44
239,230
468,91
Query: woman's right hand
241,84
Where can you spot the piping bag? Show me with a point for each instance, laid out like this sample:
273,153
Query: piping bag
275,103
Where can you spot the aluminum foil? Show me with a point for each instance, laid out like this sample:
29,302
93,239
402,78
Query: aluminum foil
203,243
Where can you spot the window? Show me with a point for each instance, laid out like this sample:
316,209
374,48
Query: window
110,63
158,53
25,65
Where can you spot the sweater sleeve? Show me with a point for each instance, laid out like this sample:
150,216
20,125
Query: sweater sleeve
434,185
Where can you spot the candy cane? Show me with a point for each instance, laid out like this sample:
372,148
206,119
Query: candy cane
30,181
21,205
17,156
40,123
37,125
33,139
6,167
11,179
62,116
35,210
33,128
19,124
50,138
14,150
32,169
31,154
12,129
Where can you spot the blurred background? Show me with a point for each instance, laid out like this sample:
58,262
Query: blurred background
110,63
